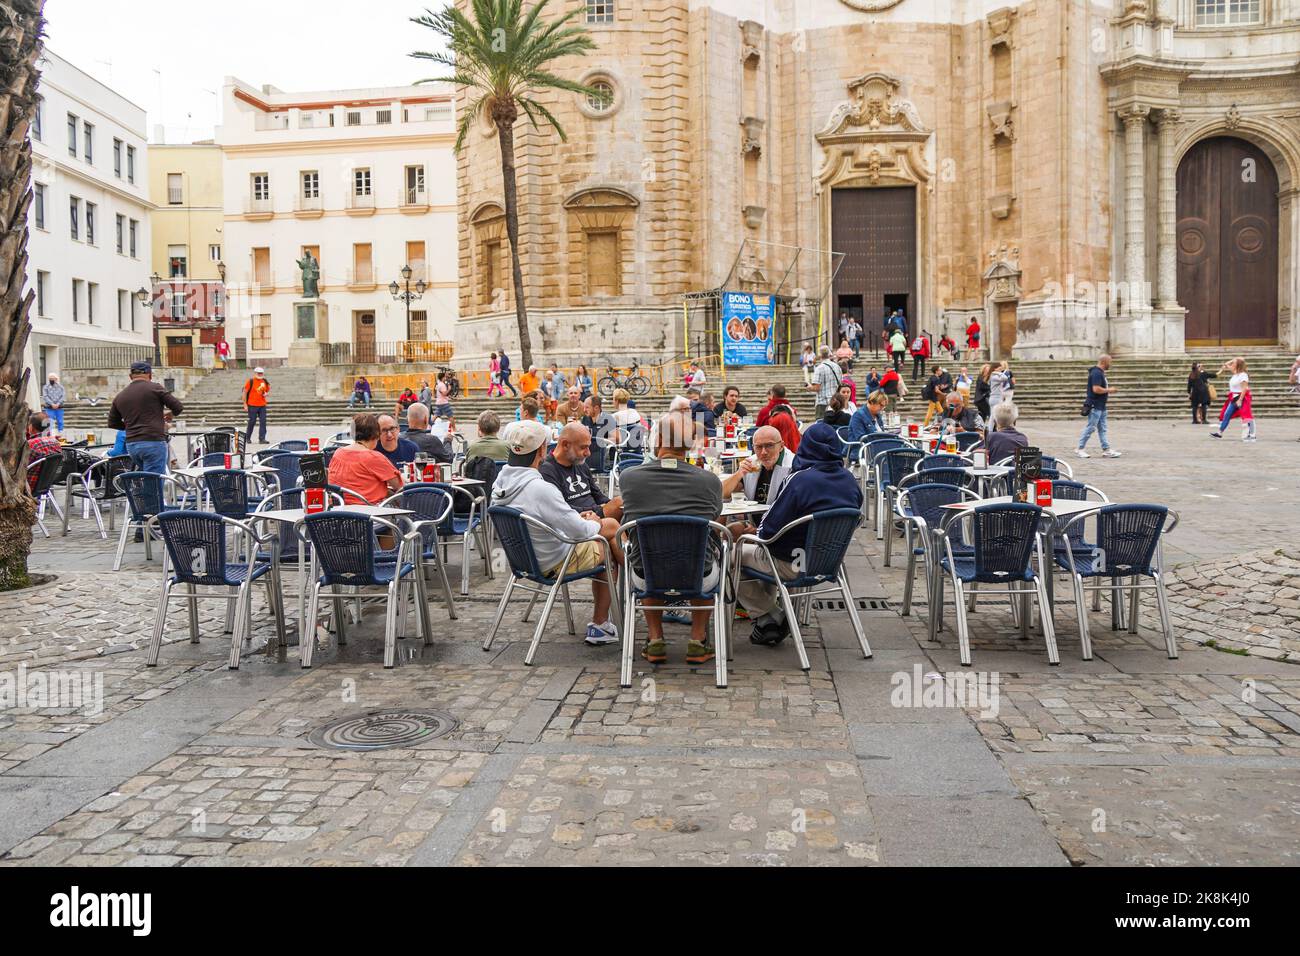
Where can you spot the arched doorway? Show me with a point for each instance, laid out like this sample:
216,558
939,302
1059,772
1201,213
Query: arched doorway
1228,243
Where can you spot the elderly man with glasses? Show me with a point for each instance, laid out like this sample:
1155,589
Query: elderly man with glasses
398,450
764,474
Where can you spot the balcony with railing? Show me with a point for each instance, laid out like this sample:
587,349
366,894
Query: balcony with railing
360,205
308,207
258,207
413,199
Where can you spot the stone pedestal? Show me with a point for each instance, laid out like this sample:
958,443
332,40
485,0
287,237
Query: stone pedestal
310,330
1058,328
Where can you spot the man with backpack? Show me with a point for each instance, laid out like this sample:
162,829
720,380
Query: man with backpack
256,389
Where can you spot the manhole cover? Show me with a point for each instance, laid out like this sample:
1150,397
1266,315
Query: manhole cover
383,729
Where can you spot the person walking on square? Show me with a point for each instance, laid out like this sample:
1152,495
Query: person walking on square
1099,392
984,391
494,377
140,410
256,389
504,374
973,336
920,352
1238,402
1198,392
53,395
897,348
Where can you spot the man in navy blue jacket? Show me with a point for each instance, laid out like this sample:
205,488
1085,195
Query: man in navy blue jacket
818,482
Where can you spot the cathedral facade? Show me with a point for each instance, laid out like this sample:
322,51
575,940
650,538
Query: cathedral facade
1077,176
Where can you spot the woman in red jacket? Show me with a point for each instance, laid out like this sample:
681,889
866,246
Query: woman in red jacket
973,335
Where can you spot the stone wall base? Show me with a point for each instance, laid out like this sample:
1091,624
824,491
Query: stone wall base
1058,329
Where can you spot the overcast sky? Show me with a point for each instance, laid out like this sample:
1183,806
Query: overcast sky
170,57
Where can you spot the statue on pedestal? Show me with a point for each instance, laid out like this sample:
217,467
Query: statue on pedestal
310,267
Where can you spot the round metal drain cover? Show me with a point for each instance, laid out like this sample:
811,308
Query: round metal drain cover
383,729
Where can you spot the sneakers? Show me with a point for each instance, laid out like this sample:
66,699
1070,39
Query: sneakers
1081,453
1110,453
676,617
1216,434
1249,438
656,652
698,652
599,634
769,634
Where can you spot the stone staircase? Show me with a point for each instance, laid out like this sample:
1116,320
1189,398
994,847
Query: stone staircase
1153,387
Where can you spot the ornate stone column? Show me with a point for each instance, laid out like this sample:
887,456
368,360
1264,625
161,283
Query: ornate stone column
1135,220
1167,212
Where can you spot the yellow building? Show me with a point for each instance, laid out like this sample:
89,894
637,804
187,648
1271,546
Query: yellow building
186,189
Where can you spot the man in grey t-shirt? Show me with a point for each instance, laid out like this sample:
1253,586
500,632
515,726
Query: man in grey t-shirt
669,486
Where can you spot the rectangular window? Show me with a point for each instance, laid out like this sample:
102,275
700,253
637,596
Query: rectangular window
130,164
261,187
175,189
117,158
361,182
602,263
72,135
354,118
363,269
214,253
178,304
311,185
38,205
131,303
92,300
134,230
600,11
74,217
414,185
383,117
262,266
38,118
261,333
121,234
89,145
41,279
491,269
178,261
76,300
1219,13
123,309
419,326
218,302
415,259
90,223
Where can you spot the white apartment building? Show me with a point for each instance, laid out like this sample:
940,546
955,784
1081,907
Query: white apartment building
89,245
365,180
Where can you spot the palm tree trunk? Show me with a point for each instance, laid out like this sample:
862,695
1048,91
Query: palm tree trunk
21,28
506,136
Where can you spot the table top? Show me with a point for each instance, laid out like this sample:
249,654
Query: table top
991,471
294,515
732,508
200,472
1060,507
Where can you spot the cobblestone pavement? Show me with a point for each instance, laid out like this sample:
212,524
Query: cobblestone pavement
1126,759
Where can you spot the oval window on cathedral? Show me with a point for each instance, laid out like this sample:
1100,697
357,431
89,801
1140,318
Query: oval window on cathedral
601,97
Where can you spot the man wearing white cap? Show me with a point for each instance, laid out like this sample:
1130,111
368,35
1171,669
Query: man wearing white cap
255,391
520,485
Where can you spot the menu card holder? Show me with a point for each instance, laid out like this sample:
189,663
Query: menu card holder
1029,468
314,472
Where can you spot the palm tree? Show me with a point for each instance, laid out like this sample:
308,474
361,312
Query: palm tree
502,57
21,31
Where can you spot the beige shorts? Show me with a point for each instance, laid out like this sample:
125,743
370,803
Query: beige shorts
587,555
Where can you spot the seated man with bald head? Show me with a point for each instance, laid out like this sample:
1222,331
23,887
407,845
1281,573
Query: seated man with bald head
417,432
566,468
763,475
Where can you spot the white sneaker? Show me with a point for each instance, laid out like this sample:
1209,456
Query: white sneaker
1081,453
599,634
1110,453
1249,438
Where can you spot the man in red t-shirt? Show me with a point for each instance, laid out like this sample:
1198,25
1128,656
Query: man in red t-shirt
255,391
775,397
360,467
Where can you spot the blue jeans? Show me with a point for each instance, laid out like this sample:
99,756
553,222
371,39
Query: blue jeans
256,414
362,397
1097,423
148,456
1229,413
56,414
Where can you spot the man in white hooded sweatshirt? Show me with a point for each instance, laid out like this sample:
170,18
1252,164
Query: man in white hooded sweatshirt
520,485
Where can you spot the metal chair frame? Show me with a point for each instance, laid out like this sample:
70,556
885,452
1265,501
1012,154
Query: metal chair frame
632,601
839,585
242,631
108,494
44,487
535,582
131,520
919,530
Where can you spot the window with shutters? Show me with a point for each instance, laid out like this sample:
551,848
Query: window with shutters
415,259
175,189
261,333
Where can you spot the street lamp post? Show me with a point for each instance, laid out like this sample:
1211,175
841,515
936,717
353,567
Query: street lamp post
146,297
403,293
